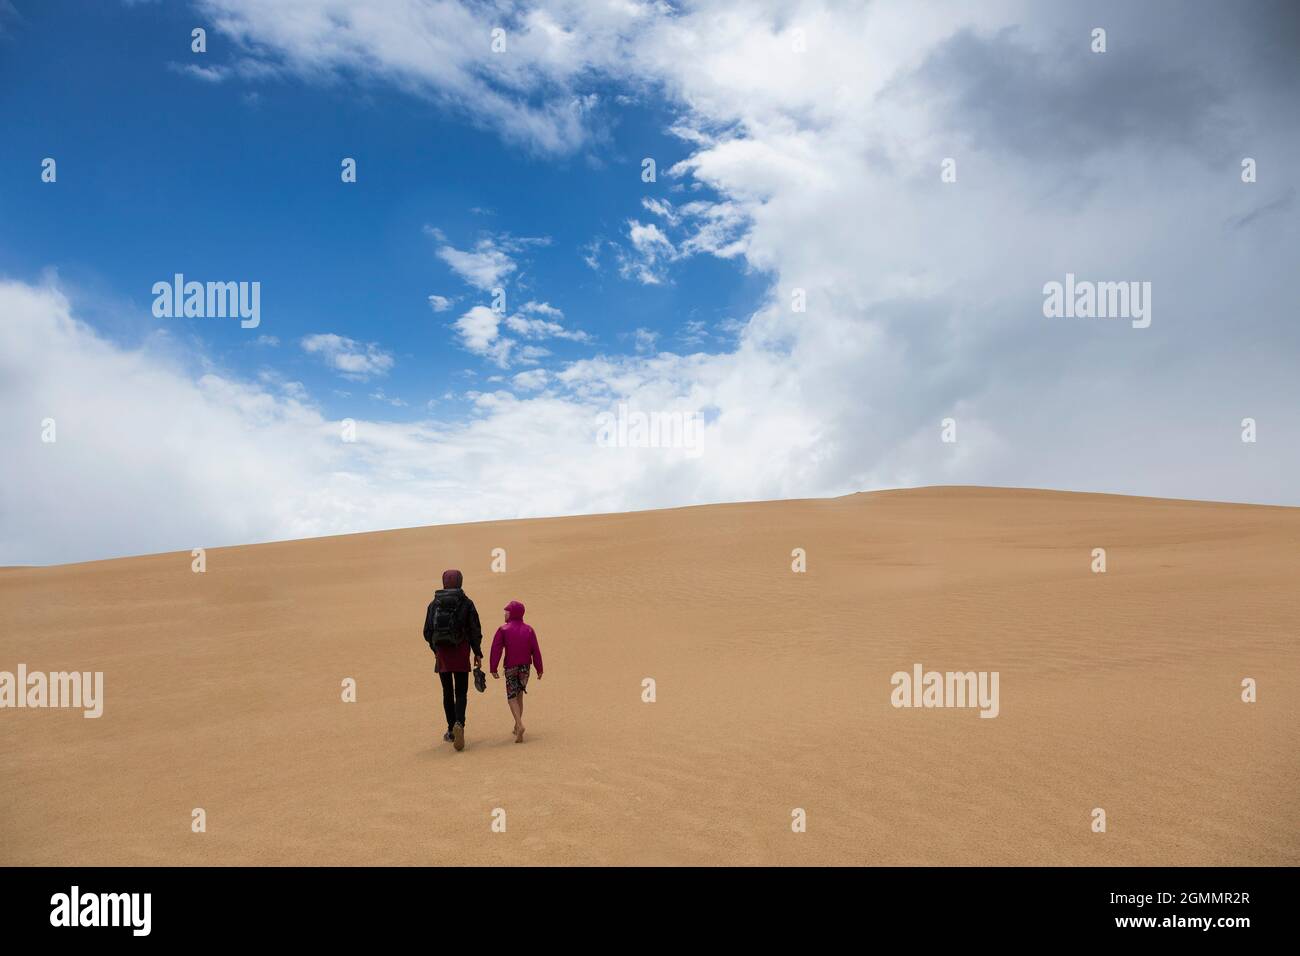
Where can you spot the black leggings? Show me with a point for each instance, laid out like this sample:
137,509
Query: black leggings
455,692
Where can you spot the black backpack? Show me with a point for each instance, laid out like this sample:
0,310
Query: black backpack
446,623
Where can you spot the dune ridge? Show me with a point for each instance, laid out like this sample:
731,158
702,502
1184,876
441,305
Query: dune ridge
1119,690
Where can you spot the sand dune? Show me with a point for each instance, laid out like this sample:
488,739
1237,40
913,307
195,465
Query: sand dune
1119,690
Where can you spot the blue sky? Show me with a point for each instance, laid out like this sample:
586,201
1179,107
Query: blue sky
162,171
805,283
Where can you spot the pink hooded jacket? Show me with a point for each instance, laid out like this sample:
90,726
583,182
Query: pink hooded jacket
517,639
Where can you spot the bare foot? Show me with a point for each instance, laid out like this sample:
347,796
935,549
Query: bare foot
519,734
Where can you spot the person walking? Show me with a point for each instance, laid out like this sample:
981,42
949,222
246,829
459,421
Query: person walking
518,641
452,631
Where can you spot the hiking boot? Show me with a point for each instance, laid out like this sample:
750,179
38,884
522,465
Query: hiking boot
458,736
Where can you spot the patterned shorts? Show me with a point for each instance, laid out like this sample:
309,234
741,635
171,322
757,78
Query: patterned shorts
516,681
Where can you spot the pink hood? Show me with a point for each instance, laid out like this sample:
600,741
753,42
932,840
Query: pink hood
516,640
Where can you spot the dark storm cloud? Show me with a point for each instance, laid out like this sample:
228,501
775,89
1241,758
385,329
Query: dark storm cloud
1069,103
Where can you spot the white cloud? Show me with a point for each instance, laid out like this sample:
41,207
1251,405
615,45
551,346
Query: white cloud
923,298
480,332
694,332
491,260
715,228
484,268
349,358
531,328
650,254
478,329
532,354
591,254
542,308
440,303
209,74
645,339
720,229
180,458
442,51
661,208
531,381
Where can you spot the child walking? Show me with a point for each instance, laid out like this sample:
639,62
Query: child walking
519,641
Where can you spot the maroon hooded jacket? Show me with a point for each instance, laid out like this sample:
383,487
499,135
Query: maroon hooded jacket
517,639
